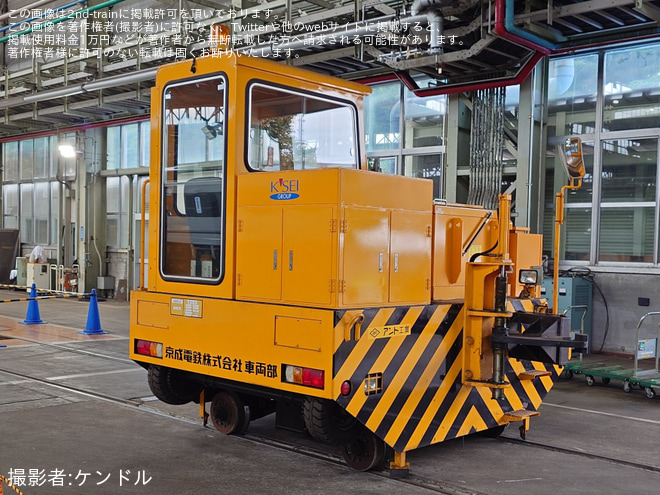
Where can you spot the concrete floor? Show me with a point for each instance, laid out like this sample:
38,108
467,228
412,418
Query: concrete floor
120,440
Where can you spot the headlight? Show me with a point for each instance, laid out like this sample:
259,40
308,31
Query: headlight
528,277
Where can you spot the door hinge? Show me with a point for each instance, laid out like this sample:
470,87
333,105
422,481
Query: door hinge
343,226
429,231
333,225
333,287
427,283
342,286
238,279
239,227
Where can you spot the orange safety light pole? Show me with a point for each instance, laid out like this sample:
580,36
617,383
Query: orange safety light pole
571,157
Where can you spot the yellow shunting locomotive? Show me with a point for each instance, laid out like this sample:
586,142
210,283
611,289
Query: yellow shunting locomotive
285,277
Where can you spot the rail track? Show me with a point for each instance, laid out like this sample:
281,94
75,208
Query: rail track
434,486
579,453
324,454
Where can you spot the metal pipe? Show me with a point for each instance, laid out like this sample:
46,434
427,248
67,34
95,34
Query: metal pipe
47,95
128,120
505,28
142,75
138,76
143,216
499,330
436,25
517,78
420,6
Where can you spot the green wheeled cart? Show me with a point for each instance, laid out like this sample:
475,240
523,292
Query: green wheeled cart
646,379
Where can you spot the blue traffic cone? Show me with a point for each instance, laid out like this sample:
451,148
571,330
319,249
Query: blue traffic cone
93,326
32,317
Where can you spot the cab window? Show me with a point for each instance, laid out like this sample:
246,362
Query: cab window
193,180
289,130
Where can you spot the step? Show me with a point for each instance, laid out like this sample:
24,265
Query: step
531,374
519,415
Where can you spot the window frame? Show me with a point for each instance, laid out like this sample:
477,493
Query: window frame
219,76
599,136
301,92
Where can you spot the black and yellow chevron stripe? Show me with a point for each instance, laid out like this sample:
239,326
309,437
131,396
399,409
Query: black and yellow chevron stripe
422,400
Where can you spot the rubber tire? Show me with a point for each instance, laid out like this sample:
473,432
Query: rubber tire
327,422
229,414
365,451
171,386
650,393
569,374
605,380
627,387
259,406
590,380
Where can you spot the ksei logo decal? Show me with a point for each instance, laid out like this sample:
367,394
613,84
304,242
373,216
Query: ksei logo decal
284,190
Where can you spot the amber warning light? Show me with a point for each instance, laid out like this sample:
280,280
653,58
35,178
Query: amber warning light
219,38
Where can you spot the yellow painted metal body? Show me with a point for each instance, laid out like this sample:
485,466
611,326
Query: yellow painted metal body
235,340
351,272
351,238
460,231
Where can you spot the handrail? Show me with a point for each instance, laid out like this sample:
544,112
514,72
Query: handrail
142,224
584,314
639,325
356,322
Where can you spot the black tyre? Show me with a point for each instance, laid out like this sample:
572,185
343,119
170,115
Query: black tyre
605,380
172,386
229,414
569,374
627,387
364,451
650,393
259,406
327,422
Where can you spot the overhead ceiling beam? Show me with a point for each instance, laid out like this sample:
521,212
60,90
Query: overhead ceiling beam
322,3
572,9
323,56
648,9
632,13
610,17
591,22
569,25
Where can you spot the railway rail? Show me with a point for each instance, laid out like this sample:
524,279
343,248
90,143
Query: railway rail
327,455
579,453
435,486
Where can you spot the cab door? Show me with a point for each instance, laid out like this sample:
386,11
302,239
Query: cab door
259,253
307,253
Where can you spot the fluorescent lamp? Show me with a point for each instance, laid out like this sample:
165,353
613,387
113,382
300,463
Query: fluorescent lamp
67,150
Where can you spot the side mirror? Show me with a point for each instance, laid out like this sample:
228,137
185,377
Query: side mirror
571,157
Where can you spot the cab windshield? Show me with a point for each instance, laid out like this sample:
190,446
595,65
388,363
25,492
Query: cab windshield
295,131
